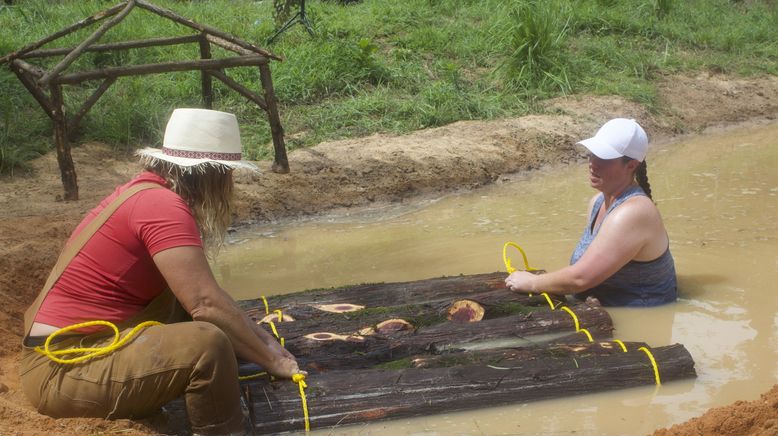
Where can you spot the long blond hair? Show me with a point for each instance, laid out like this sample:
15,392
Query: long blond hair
207,189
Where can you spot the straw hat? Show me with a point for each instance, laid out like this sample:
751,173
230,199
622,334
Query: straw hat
198,137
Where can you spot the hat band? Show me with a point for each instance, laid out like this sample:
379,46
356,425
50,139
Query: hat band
201,154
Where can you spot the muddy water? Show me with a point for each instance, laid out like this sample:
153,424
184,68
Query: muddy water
718,194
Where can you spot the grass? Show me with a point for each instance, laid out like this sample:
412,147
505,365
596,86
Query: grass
388,66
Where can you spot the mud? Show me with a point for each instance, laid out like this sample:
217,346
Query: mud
353,173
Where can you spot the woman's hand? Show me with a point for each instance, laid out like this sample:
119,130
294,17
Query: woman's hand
521,281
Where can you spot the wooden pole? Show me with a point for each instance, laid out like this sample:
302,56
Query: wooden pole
280,160
76,120
80,25
164,67
64,159
64,63
240,89
123,45
203,28
29,83
205,77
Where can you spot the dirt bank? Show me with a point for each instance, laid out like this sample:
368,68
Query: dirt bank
351,173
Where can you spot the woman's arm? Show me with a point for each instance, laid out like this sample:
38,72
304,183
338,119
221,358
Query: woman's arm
189,276
620,238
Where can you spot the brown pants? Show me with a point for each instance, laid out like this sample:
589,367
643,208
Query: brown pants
160,364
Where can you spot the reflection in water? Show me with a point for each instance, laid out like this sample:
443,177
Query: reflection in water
719,197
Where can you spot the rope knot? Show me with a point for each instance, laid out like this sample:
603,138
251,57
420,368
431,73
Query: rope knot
298,378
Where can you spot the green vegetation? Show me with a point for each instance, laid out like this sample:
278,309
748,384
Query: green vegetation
389,66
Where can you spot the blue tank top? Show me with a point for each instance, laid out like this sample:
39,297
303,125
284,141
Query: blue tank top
637,283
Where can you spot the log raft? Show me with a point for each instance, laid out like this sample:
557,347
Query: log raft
345,397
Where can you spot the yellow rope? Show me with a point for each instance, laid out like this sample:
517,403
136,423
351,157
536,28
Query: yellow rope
267,308
252,376
507,261
588,335
300,380
91,352
623,347
575,318
273,327
653,362
549,300
279,314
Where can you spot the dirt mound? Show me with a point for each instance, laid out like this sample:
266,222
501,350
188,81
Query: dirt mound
354,172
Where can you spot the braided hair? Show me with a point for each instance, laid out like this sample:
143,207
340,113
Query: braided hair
641,175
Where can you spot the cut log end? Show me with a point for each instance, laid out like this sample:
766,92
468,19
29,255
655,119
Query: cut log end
393,325
465,311
327,336
339,308
273,317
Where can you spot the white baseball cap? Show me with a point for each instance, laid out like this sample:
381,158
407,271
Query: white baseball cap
196,137
619,137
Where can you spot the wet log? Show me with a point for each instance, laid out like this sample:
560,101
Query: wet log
344,397
397,293
322,353
569,346
310,318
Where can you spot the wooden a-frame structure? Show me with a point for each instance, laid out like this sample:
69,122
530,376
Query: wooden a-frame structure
46,85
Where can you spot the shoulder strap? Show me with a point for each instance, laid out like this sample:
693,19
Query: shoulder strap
71,250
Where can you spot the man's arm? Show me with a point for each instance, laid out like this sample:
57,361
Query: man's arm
189,276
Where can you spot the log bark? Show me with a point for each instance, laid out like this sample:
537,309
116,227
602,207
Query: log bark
398,293
308,318
123,45
280,160
164,67
344,397
364,351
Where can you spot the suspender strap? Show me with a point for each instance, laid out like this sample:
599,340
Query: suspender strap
76,244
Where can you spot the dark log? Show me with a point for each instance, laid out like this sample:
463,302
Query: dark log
398,293
205,77
203,28
307,318
122,45
75,121
344,397
240,89
164,67
280,161
64,63
80,25
363,351
569,347
64,159
29,82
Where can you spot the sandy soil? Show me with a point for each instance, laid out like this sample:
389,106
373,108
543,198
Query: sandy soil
353,173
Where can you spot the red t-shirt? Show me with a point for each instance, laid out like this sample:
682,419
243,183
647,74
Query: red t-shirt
114,277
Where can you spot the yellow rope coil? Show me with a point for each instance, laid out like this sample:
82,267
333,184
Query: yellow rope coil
621,344
300,380
653,362
267,308
575,318
91,352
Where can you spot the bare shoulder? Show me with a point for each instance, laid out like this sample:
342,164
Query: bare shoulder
638,210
